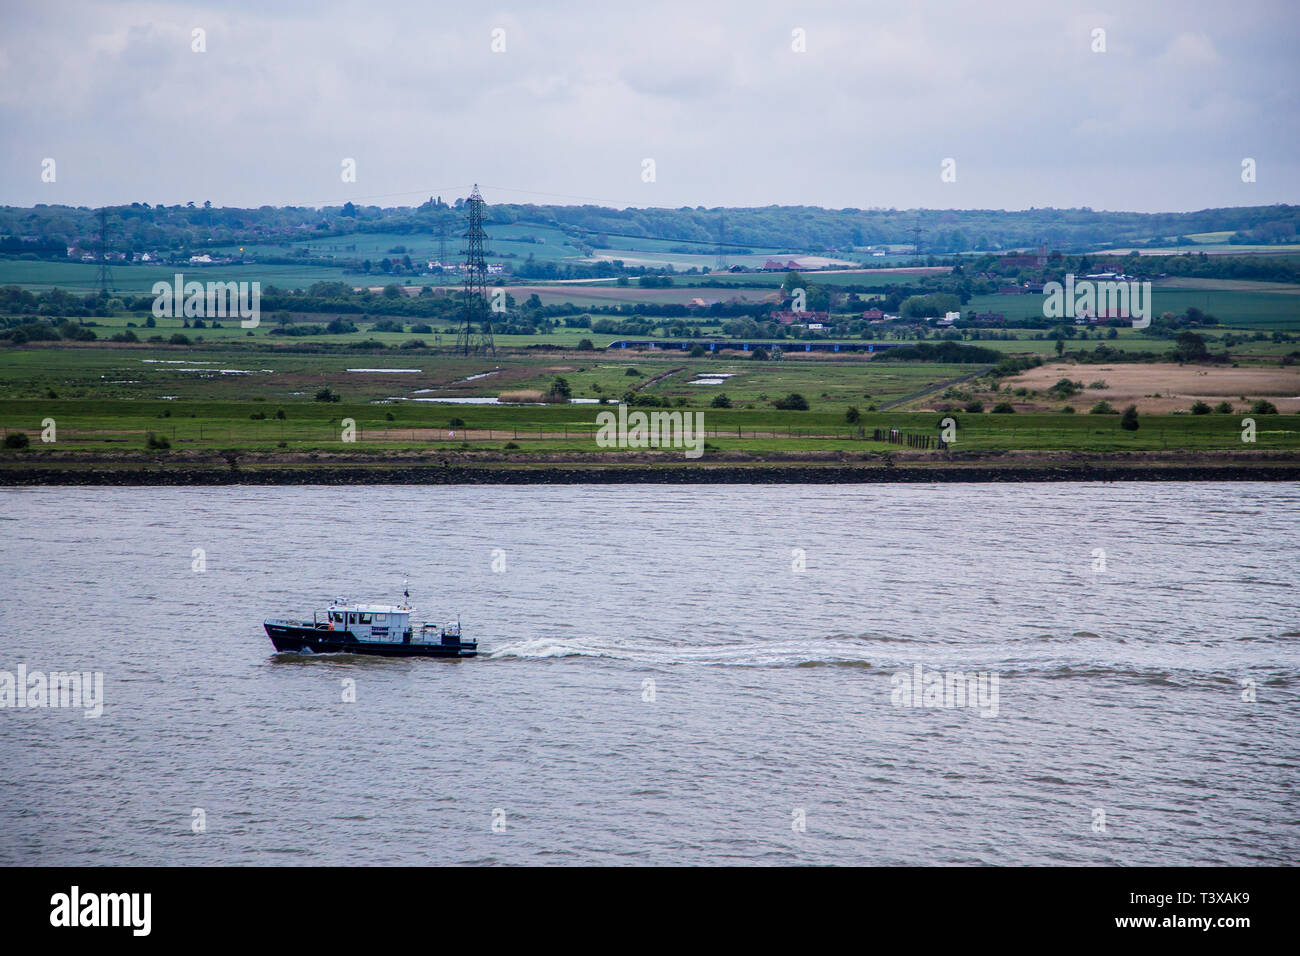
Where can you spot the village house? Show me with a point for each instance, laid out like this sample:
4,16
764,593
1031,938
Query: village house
800,318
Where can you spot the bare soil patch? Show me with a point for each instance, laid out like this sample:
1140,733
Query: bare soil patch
1166,387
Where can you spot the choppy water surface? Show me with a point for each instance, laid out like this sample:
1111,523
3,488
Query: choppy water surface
661,683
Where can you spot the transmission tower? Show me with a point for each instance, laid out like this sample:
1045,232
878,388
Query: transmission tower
105,273
917,232
476,329
442,244
720,264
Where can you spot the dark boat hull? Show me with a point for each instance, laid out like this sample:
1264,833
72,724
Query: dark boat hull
289,637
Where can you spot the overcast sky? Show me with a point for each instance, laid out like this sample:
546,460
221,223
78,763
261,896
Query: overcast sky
713,93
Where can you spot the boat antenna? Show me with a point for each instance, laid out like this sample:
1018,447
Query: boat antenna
406,590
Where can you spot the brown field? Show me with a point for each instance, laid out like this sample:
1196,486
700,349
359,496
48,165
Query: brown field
1166,387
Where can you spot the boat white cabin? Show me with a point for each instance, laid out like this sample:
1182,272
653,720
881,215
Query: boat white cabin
384,623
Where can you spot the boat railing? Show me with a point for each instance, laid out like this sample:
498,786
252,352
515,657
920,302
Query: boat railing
429,630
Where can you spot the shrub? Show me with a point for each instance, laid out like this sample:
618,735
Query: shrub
586,345
646,400
17,440
1102,408
632,371
413,344
327,394
1200,408
156,442
1129,420
560,388
1263,407
178,339
1068,409
456,423
511,446
1190,347
390,417
794,402
975,407
853,416
1004,408
1011,366
1223,408
279,413
258,416
721,401
949,352
760,355
697,351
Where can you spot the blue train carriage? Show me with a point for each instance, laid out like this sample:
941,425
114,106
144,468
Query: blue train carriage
385,629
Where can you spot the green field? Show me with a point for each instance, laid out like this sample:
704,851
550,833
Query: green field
122,426
107,399
1241,309
287,375
139,279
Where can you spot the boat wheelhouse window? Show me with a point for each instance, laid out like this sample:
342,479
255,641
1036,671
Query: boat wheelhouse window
336,617
381,618
365,617
352,618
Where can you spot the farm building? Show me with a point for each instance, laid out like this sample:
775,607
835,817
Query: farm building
798,318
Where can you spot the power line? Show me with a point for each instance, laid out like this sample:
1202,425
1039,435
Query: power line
105,274
476,330
720,263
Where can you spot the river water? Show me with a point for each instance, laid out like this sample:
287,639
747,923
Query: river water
699,674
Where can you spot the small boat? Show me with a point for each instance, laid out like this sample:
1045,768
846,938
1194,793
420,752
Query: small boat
386,629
